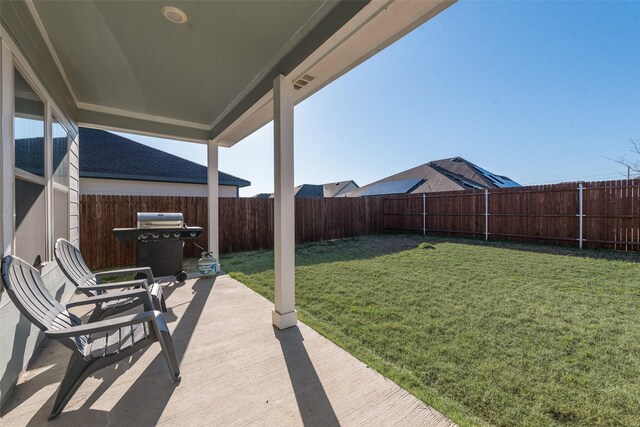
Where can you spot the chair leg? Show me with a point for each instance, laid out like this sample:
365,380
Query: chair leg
77,371
169,352
166,343
163,304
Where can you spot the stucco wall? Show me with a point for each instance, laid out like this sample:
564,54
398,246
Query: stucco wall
122,187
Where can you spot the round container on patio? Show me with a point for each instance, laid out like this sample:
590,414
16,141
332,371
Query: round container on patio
207,264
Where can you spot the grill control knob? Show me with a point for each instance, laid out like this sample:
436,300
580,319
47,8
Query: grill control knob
166,235
144,235
176,234
155,235
192,234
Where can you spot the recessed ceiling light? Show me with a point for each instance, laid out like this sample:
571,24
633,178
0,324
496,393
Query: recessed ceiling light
174,14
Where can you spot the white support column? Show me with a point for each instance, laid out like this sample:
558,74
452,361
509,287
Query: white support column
7,195
284,313
212,185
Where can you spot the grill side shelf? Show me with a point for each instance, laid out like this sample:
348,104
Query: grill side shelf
151,234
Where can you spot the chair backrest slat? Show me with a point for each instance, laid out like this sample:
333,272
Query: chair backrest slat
28,292
73,266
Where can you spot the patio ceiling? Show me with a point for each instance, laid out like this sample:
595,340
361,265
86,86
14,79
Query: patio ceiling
126,56
126,67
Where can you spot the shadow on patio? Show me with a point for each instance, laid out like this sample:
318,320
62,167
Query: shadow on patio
235,370
313,402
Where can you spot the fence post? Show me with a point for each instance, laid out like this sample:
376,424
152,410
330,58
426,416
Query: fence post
424,214
580,215
486,214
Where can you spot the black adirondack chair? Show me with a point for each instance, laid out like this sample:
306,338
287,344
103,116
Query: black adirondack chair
73,266
95,345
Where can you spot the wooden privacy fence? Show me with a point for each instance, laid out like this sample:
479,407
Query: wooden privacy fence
245,223
591,214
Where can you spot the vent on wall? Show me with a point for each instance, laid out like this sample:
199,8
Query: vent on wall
303,81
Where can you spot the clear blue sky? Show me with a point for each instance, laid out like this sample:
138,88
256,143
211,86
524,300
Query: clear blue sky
538,91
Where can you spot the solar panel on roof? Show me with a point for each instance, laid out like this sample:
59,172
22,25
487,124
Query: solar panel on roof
466,182
499,181
400,186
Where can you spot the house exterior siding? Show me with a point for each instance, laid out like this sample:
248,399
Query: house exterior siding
74,193
121,187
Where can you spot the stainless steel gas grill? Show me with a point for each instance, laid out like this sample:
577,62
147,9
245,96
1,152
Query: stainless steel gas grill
159,241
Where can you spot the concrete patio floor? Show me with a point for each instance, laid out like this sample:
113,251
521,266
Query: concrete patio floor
236,370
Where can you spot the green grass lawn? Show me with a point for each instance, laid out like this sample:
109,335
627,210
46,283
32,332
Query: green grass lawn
487,333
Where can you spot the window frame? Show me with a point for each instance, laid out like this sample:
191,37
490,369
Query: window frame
21,173
50,111
55,186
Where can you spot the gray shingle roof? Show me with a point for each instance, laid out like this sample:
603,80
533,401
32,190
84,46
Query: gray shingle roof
314,190
107,155
309,190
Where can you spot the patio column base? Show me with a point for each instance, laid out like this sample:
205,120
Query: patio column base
284,321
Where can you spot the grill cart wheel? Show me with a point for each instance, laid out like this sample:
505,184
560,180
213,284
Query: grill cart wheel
181,277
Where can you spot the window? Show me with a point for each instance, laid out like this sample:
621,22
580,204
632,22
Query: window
30,182
30,235
60,214
28,125
42,146
61,141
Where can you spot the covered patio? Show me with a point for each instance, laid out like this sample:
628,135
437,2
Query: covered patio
237,369
211,73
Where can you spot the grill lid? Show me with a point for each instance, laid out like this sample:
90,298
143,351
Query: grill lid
159,220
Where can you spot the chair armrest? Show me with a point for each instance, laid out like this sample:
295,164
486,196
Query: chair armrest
101,326
141,283
144,270
136,293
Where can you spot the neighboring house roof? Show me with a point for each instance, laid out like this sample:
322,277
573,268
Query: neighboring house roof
107,155
431,180
440,175
400,186
333,189
468,170
309,190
